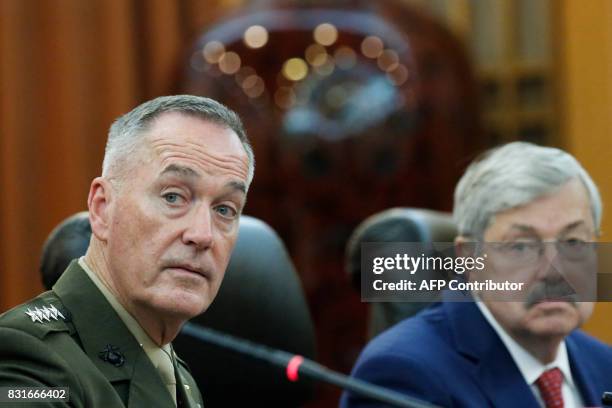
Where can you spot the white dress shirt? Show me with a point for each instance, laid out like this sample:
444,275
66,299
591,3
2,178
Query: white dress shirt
531,368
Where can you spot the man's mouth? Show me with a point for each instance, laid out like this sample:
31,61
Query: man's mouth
190,268
566,299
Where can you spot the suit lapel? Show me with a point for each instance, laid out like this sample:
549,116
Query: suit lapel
503,383
99,327
582,373
496,373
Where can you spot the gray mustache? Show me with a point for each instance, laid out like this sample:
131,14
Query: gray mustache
557,288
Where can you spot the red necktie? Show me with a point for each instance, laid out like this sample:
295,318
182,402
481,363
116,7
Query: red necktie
549,384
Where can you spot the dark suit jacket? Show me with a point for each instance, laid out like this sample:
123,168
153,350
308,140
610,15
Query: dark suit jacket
449,355
58,352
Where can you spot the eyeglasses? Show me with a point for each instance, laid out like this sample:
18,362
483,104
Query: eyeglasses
529,252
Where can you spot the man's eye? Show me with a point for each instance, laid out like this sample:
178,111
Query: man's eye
518,246
573,242
172,198
226,211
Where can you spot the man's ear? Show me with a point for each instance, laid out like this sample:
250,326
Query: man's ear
98,201
463,246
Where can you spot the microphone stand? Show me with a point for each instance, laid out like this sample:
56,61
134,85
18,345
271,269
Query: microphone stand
295,365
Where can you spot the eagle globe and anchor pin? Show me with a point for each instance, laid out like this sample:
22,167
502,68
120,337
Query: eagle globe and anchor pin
112,355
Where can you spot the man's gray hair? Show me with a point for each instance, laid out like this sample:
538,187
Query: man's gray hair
513,175
124,135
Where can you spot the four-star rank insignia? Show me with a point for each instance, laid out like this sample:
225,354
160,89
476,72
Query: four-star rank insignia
44,314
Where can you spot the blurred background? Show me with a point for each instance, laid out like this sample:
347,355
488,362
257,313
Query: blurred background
352,107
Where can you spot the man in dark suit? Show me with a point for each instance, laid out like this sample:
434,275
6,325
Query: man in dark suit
68,241
526,204
164,220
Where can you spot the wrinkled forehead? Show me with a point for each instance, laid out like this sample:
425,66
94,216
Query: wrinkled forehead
192,127
197,143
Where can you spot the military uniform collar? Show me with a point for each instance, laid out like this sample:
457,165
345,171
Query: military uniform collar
160,356
107,341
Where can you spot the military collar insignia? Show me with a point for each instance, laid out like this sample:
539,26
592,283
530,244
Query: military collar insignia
112,355
44,314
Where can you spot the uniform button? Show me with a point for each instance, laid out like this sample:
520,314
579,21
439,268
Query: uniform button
186,387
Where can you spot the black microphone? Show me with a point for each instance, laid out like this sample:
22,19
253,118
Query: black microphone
295,365
606,398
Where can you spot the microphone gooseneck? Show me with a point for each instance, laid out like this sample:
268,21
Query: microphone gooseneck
296,365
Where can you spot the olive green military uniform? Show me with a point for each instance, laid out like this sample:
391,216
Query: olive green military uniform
72,337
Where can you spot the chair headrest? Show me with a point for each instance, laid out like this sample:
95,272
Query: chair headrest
397,225
261,299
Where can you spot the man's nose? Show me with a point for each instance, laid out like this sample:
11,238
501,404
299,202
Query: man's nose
199,229
550,262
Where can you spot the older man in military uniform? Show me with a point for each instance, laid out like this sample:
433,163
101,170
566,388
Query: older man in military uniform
164,218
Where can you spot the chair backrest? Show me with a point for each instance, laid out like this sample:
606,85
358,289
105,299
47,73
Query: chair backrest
261,299
396,225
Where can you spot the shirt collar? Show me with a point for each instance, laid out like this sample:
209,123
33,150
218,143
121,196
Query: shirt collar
530,367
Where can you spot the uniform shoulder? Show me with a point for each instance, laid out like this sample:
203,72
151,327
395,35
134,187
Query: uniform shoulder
38,317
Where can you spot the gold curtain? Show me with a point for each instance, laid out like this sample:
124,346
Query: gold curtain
68,67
